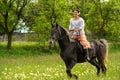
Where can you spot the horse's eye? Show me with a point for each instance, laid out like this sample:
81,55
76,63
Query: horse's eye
52,32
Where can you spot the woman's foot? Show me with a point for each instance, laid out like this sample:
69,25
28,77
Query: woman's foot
87,55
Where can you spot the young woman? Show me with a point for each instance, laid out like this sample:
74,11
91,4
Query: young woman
77,26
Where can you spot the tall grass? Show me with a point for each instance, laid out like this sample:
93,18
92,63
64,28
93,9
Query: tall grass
20,49
26,61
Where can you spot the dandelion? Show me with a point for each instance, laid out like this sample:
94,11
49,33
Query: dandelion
8,77
16,76
18,68
4,73
31,73
38,72
56,74
82,74
5,69
23,75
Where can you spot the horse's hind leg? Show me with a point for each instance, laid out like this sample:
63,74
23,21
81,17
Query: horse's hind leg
102,65
69,65
103,68
96,64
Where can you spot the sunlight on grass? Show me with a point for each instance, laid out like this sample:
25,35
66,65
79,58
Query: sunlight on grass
51,67
17,65
33,68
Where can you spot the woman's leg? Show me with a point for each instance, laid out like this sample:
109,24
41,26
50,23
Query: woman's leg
86,45
87,54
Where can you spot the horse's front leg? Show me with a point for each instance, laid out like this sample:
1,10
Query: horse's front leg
69,65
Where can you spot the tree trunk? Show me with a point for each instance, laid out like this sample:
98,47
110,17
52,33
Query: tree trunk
9,40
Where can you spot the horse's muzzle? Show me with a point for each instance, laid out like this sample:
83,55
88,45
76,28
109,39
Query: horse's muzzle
51,41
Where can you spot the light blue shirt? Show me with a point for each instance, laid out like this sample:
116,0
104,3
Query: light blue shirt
77,24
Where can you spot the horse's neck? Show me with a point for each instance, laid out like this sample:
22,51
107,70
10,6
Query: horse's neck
64,43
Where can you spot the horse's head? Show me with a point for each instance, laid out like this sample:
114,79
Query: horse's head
55,33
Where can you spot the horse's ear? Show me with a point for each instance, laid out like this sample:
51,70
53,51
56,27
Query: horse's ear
57,24
54,25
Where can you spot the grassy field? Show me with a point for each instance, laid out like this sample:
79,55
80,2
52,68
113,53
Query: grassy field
27,61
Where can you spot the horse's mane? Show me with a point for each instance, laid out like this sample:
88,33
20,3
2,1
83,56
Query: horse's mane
64,30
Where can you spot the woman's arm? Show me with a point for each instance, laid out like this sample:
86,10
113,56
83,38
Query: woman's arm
75,30
71,27
81,24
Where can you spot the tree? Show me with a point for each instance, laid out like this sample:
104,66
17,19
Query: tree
2,31
41,14
103,19
11,12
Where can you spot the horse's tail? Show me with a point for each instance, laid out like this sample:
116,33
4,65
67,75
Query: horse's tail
104,42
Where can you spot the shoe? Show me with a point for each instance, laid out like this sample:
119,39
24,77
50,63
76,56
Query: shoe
87,55
88,58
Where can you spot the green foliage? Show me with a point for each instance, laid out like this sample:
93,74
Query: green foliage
1,30
11,12
101,17
47,12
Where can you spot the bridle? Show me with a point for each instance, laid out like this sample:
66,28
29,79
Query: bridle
60,35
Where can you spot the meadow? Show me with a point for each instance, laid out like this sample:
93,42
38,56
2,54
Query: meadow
30,61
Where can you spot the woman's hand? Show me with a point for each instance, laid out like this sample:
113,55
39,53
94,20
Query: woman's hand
76,30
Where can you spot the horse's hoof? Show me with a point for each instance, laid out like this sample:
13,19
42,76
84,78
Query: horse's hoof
98,75
75,76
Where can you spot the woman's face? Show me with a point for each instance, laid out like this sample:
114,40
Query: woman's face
75,13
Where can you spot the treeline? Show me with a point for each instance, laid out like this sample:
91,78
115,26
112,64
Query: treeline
102,18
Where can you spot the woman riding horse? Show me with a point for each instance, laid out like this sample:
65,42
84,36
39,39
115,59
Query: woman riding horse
71,54
77,25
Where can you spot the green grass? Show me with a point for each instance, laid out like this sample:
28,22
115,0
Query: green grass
26,61
20,49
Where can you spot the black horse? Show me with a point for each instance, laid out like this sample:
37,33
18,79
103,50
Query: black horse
72,53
